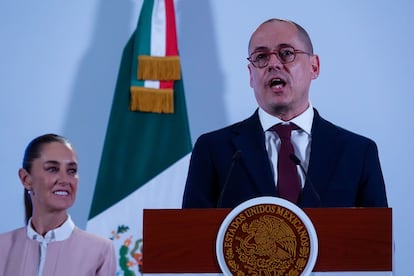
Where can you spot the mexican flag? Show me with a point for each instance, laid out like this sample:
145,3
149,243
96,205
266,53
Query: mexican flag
147,146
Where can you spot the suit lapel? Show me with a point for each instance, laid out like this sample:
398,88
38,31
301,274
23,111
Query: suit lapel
324,149
249,139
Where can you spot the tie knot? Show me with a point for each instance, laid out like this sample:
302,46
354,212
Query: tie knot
284,130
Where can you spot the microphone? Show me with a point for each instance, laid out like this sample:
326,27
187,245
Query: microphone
234,160
297,162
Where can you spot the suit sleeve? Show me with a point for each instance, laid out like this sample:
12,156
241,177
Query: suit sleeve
108,266
201,189
372,192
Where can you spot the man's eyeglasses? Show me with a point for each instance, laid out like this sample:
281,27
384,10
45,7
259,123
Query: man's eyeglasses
285,55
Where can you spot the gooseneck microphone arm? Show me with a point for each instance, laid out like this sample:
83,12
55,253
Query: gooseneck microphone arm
234,160
297,162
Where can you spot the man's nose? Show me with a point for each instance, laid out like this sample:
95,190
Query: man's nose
274,61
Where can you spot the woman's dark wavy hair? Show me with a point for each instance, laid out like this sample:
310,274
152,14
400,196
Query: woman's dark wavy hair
32,152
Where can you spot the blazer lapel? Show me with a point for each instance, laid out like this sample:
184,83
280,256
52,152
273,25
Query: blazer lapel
249,139
324,150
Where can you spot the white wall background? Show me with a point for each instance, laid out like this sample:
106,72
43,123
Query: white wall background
59,62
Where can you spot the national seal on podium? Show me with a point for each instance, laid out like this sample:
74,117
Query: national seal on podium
267,236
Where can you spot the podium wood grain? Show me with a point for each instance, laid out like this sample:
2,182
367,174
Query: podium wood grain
349,239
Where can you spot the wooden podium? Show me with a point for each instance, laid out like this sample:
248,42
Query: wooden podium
349,239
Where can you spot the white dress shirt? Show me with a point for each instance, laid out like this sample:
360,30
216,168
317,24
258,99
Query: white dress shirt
301,138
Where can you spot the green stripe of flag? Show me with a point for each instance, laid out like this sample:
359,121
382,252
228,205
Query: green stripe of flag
138,146
142,39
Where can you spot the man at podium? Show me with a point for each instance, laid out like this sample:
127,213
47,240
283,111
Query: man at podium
332,167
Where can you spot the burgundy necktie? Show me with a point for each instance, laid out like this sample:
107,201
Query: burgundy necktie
288,182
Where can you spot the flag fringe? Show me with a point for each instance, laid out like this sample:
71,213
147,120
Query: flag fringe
158,68
151,100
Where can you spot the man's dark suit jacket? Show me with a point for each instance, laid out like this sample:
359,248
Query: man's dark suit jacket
231,165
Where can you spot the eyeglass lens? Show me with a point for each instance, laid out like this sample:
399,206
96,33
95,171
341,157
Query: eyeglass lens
284,55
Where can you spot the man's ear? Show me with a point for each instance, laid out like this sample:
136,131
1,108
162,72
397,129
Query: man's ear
249,66
25,178
315,66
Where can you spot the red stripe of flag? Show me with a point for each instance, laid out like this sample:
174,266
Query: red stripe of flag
171,49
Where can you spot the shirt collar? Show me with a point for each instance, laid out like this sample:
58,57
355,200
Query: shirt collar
58,234
304,120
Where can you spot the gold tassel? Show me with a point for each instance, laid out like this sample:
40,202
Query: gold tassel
159,68
151,100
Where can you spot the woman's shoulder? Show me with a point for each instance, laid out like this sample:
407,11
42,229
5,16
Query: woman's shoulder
90,238
13,234
11,239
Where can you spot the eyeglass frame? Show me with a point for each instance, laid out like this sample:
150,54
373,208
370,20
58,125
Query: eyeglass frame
277,54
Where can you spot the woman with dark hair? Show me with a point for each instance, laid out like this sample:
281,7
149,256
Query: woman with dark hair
51,244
